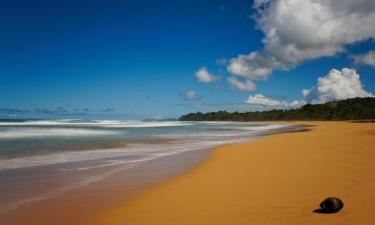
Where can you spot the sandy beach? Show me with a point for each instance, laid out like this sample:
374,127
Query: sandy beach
277,179
280,179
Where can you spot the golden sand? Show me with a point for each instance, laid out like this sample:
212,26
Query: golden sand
277,180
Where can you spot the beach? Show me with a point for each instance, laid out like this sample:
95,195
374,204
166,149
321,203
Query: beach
280,179
194,112
70,171
274,178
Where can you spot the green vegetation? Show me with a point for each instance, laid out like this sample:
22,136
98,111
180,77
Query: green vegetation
350,109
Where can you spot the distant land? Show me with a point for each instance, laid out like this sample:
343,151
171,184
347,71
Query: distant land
349,109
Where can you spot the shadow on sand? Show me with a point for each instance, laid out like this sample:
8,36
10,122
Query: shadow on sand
322,211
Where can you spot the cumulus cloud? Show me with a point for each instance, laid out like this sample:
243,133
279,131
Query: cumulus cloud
267,102
296,31
204,76
247,85
336,85
366,59
260,99
190,95
253,66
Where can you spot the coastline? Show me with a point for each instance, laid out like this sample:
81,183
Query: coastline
280,179
99,196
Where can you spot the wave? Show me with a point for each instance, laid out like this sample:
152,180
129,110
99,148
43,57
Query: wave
99,163
14,133
113,156
162,143
97,123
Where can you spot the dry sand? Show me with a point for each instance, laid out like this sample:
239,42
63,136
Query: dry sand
279,180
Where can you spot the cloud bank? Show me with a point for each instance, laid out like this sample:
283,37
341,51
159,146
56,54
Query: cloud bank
296,31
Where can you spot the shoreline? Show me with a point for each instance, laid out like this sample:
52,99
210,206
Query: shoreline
99,196
281,180
120,187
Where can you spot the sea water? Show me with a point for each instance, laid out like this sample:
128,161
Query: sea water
42,158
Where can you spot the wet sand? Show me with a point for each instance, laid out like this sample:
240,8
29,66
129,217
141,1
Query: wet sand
280,179
80,205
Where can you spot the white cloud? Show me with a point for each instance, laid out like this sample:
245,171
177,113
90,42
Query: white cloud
190,95
296,31
306,92
267,102
260,99
252,66
336,85
296,103
248,85
366,59
204,76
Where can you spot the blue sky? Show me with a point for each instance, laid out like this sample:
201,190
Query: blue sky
136,59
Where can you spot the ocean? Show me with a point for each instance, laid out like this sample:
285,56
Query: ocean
40,159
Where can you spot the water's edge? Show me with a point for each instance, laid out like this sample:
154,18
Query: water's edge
135,177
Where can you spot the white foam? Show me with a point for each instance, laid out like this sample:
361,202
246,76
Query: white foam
186,141
148,151
14,133
98,123
109,163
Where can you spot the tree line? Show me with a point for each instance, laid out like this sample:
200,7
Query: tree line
349,109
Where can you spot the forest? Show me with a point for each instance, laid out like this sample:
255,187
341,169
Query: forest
349,109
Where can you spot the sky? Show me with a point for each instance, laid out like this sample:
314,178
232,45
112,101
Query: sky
161,59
